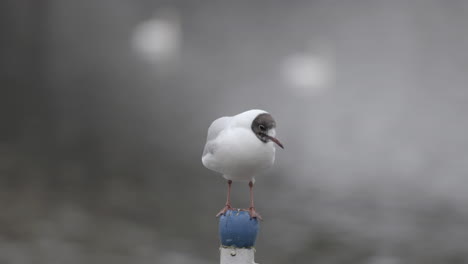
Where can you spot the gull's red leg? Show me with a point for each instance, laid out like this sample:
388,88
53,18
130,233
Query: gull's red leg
252,212
228,201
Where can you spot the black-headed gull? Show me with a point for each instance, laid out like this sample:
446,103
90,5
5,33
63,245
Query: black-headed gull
241,147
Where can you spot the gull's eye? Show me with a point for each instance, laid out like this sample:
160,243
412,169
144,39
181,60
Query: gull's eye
262,127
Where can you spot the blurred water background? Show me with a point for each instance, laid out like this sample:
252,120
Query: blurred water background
104,108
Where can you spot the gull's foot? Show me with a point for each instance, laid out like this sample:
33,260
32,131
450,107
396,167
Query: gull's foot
254,214
224,210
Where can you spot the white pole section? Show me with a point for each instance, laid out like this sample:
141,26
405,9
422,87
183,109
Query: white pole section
230,255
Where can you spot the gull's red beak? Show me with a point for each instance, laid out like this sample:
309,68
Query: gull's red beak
276,141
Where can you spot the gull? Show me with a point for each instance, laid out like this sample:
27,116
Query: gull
241,147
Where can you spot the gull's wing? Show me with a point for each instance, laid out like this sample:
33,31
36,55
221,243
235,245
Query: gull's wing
213,131
217,126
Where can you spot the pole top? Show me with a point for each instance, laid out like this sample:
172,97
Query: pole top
237,229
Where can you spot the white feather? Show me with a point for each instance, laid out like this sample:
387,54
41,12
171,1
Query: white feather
233,149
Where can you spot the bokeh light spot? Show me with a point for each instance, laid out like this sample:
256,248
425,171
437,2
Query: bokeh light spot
157,39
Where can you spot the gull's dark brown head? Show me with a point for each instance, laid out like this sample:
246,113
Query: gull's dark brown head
263,127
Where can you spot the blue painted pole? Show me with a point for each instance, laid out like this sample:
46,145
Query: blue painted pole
237,233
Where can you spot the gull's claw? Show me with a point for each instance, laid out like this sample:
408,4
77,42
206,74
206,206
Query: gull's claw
224,210
254,214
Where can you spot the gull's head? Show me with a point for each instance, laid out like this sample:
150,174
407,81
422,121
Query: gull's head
264,127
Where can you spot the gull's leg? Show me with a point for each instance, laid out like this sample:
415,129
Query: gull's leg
228,201
252,212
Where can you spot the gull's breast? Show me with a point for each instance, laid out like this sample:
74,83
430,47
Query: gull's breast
239,153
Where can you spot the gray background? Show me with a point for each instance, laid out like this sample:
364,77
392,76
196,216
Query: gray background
101,139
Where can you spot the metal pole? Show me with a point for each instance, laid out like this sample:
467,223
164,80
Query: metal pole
237,232
237,255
